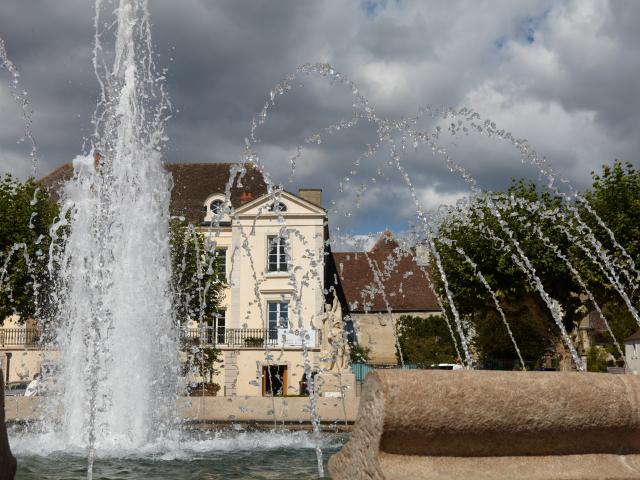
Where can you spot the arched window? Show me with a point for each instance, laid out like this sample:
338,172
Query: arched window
277,207
216,207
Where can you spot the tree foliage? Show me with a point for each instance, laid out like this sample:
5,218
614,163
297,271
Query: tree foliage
425,341
615,198
485,239
26,213
541,221
196,274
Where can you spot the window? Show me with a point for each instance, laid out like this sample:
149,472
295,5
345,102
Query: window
216,207
221,263
278,317
274,381
277,207
220,327
277,260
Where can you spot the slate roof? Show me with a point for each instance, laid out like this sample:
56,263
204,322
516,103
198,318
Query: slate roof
193,183
404,282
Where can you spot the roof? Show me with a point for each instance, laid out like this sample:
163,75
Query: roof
283,194
193,183
404,282
633,338
593,321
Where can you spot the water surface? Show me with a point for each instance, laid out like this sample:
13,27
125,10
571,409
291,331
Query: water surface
197,455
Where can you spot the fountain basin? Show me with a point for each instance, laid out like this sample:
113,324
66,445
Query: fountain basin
494,425
260,410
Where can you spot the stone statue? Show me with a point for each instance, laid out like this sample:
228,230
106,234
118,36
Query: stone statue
337,345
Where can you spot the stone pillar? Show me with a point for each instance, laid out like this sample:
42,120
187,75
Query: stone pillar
7,461
231,370
435,424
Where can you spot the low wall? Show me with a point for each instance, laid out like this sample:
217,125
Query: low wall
494,425
226,409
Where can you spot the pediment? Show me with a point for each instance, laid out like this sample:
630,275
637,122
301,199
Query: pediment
293,204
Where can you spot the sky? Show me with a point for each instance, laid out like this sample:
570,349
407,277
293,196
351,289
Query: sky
562,74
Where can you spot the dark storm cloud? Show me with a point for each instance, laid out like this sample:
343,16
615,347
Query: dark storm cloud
562,74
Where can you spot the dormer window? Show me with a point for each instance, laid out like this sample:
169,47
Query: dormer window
277,207
216,207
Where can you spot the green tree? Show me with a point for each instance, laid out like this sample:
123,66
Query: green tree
358,353
479,234
597,359
196,274
425,341
205,361
615,198
26,213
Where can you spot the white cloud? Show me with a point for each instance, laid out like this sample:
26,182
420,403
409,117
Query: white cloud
562,74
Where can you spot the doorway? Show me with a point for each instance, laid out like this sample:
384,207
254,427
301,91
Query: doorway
274,380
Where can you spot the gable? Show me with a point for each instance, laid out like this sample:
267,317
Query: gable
294,206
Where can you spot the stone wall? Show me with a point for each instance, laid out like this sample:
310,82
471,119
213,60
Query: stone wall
485,425
227,409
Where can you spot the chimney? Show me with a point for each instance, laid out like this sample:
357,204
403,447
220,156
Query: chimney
312,195
246,197
422,255
97,158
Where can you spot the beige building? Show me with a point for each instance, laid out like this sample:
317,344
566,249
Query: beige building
632,353
20,354
377,288
273,249
273,308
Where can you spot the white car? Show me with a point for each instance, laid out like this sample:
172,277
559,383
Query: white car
447,366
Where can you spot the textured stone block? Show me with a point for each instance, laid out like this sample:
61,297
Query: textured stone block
494,425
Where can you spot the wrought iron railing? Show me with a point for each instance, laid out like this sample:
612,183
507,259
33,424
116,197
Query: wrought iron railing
248,337
20,337
231,337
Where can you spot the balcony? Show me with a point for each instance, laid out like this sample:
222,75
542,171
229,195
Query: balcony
250,337
20,337
222,338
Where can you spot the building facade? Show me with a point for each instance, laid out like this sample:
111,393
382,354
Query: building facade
271,249
378,287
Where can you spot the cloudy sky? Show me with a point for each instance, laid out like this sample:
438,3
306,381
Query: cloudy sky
564,75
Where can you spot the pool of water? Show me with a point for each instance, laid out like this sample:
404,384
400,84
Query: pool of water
197,455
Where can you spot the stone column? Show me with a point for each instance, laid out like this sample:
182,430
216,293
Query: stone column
484,425
7,461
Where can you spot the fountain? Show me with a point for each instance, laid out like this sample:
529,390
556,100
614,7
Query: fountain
112,294
115,313
110,259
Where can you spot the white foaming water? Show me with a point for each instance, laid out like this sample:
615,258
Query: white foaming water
116,334
185,448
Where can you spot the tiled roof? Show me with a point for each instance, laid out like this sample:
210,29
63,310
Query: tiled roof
404,282
633,338
193,183
593,321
